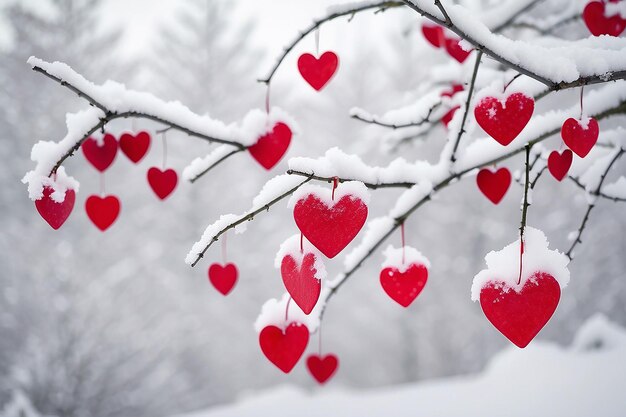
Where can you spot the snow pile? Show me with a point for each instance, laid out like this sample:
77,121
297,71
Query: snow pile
291,247
353,189
273,313
402,258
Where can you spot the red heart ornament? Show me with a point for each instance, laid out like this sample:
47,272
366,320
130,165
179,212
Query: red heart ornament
560,163
404,287
504,122
55,214
300,281
136,146
162,182
224,277
322,368
447,118
454,49
271,147
318,72
101,157
102,211
330,229
599,24
579,138
494,185
519,316
434,35
284,349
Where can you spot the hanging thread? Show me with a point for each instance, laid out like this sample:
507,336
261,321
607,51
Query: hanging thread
317,42
164,140
224,248
287,310
582,88
403,241
335,183
301,243
267,99
319,341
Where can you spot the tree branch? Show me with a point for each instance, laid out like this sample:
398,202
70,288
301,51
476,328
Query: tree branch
367,184
216,163
375,121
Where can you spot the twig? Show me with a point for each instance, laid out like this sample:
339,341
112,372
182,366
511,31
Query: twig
375,121
599,194
522,227
216,163
367,184
443,11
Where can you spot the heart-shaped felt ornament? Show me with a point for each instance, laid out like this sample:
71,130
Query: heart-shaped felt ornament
135,147
322,368
102,211
434,35
271,147
101,156
519,316
600,24
162,182
404,286
54,213
494,185
224,277
301,282
560,163
318,71
284,349
504,121
454,49
579,137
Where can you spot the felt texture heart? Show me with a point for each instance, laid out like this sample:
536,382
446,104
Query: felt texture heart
101,157
300,281
494,185
55,214
434,35
404,287
560,163
599,24
284,349
454,49
102,211
578,137
271,147
224,277
504,121
322,368
318,71
519,316
135,147
162,182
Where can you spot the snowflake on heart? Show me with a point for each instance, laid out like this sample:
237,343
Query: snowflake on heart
404,274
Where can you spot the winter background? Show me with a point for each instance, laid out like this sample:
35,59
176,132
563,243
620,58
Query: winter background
116,324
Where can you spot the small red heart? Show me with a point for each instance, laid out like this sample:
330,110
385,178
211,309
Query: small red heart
136,146
456,88
300,281
404,287
318,72
447,118
271,147
519,316
434,35
100,156
599,24
494,185
284,349
162,182
504,122
559,163
322,368
224,277
102,211
579,138
454,49
55,214
330,229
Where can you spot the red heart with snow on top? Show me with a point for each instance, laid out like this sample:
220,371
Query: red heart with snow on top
284,349
322,368
560,163
136,146
318,71
404,287
453,47
434,35
494,185
300,281
162,182
580,138
55,214
600,24
101,156
102,211
504,121
224,277
330,229
447,118
271,147
519,316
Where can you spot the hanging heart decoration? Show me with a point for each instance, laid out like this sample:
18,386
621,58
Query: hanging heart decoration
580,137
271,147
322,368
102,211
100,155
453,47
318,71
223,277
284,348
504,120
599,23
404,286
53,212
300,280
135,147
434,35
494,185
162,183
560,163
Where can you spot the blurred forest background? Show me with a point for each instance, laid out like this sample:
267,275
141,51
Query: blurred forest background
115,324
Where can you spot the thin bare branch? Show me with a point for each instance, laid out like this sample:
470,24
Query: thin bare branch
367,184
375,121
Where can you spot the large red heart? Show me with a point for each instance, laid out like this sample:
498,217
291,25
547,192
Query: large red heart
284,349
599,24
404,287
330,229
521,315
162,182
434,34
322,368
579,138
102,211
100,156
494,185
272,146
504,122
55,214
559,163
454,49
224,277
136,146
300,281
318,72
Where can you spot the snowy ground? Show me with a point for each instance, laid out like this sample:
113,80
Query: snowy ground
586,379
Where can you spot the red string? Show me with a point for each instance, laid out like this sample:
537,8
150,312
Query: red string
267,99
224,249
403,241
163,139
335,182
287,309
102,188
301,243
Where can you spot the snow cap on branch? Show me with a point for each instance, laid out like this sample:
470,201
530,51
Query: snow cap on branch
273,313
354,189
